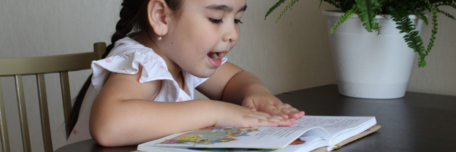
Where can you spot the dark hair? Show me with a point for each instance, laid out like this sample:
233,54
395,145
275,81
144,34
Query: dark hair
133,17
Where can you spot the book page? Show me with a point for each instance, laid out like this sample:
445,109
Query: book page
307,143
232,137
332,124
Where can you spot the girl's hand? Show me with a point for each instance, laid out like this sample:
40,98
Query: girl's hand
265,102
232,115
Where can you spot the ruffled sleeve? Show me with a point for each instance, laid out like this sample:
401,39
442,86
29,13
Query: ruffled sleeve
128,62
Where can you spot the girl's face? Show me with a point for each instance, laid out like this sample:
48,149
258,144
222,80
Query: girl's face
203,34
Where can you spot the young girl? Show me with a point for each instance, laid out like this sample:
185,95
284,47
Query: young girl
137,90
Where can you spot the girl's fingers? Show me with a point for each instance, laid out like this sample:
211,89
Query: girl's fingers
264,116
260,119
286,105
280,109
276,118
250,106
295,114
274,111
269,123
267,120
258,116
298,114
262,113
282,122
287,122
256,122
286,111
289,110
292,113
303,113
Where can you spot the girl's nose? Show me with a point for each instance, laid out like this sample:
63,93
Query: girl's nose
231,34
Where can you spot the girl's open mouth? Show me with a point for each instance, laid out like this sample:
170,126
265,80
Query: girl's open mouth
214,55
215,58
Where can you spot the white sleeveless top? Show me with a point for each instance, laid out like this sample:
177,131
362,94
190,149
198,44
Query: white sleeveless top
125,57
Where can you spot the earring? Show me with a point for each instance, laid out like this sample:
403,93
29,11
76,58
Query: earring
160,36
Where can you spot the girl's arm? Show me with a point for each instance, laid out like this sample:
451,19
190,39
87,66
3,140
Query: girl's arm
231,83
122,113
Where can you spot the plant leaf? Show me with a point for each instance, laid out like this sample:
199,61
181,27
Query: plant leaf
321,2
412,38
332,2
344,18
273,8
434,27
422,16
367,10
286,8
446,14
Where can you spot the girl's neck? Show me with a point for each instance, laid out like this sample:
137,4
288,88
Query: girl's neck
147,41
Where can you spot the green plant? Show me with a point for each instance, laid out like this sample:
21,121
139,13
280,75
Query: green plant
399,11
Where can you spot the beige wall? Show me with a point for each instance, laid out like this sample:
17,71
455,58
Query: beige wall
290,55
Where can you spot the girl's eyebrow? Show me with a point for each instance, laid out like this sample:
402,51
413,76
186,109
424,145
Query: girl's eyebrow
225,8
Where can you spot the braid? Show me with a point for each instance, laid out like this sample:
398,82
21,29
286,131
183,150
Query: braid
128,20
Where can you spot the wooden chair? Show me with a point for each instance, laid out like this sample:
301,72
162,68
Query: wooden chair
39,66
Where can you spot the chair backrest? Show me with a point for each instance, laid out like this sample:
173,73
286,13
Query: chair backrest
39,66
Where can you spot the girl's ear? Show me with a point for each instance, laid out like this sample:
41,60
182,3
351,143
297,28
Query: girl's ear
158,14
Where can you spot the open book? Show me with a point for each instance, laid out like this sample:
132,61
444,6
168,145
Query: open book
324,133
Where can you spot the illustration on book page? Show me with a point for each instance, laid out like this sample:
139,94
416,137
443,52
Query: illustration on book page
211,135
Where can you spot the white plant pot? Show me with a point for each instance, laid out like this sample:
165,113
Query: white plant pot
368,65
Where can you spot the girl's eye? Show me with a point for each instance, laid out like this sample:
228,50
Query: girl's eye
237,21
216,21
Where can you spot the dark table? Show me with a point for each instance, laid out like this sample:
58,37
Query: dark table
417,122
